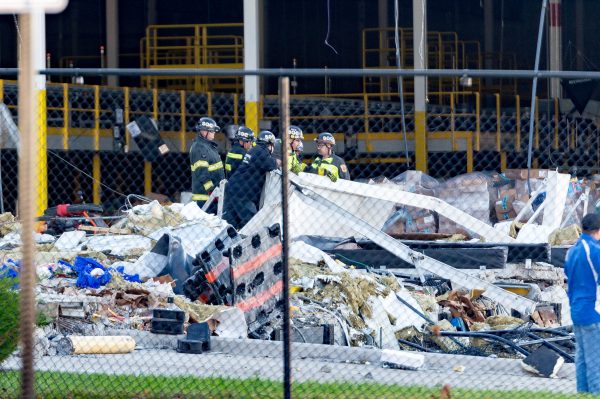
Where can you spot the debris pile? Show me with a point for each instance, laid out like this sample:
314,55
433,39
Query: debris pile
441,283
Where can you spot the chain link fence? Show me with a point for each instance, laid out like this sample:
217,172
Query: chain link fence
158,278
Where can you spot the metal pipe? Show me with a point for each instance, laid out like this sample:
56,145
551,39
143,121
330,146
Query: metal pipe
284,123
550,345
358,72
413,345
534,91
484,336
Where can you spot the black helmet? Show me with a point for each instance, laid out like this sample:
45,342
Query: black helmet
245,134
207,124
266,137
295,132
325,138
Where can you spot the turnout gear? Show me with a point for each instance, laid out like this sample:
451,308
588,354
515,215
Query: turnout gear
234,157
332,167
245,134
244,188
329,165
295,165
207,169
207,124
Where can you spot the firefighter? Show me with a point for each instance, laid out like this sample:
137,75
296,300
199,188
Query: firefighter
327,163
242,194
244,140
296,136
205,162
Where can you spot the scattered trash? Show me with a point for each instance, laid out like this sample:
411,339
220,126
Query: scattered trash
402,359
172,269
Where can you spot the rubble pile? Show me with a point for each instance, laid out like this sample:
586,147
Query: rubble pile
437,285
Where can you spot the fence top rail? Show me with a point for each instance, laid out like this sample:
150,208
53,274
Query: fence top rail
312,72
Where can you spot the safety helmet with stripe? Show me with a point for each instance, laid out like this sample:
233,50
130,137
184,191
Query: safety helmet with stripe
266,137
325,138
207,124
244,133
295,132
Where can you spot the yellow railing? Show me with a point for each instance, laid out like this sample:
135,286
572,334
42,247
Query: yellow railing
459,140
444,51
193,46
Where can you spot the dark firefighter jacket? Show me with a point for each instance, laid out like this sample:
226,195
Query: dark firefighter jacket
234,159
207,168
247,183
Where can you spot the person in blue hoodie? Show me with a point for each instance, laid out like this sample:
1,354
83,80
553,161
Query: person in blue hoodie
582,268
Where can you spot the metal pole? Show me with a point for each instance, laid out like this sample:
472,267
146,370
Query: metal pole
251,61
112,39
555,39
303,72
534,91
284,123
420,62
28,119
400,81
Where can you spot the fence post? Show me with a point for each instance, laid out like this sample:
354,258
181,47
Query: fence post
148,164
126,115
368,144
32,181
477,122
96,168
65,129
518,122
236,115
183,125
452,124
284,123
556,119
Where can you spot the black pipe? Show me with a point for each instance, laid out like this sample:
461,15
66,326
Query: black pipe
472,334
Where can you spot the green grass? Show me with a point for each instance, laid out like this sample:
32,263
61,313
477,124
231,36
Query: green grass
54,385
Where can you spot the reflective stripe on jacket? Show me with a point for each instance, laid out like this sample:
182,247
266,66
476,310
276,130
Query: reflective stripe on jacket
206,167
333,167
234,159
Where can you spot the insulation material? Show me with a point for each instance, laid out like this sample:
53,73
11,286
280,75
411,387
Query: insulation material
379,323
119,245
403,316
69,240
566,236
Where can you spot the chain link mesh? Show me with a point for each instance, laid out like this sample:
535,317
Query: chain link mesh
403,283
